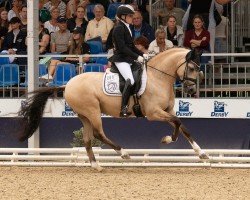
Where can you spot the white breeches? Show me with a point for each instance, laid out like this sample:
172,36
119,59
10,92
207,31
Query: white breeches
125,70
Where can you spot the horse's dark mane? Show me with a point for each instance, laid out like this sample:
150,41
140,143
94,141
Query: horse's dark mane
32,111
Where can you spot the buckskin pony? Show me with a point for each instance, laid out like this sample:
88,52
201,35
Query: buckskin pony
85,96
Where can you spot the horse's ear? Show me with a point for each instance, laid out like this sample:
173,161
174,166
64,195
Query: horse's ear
194,55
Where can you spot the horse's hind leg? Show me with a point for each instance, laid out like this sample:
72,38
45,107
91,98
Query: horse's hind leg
103,138
100,135
87,140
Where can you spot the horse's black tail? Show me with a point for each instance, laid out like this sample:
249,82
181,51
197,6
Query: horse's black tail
32,110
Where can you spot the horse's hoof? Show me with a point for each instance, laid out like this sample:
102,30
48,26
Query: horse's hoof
99,168
96,166
166,140
203,156
125,156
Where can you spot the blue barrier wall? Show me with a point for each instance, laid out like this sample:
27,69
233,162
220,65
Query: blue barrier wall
137,133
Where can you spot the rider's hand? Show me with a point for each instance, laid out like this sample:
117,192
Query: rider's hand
140,59
145,56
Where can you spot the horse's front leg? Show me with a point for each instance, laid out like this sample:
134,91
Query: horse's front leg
202,154
178,126
175,122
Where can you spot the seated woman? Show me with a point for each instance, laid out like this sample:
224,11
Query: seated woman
72,5
78,20
77,47
174,31
142,43
198,38
44,38
160,43
4,24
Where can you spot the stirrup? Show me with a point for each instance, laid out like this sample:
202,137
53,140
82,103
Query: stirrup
124,112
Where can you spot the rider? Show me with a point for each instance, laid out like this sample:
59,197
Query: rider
125,52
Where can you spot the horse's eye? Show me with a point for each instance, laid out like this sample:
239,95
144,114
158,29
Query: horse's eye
191,69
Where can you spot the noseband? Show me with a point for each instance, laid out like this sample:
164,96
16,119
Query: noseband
185,77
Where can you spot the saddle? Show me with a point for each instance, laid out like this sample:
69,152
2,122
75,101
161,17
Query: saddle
137,70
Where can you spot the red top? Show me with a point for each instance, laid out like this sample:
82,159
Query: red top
190,35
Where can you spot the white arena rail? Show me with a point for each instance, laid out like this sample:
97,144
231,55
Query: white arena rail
139,157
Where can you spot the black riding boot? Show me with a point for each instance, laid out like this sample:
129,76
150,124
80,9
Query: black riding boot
125,99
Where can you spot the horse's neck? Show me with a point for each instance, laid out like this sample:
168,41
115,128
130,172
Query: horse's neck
158,71
157,77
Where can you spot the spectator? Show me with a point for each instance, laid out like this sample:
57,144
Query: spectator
104,3
23,14
77,47
4,24
205,8
44,13
170,9
78,20
44,38
174,32
140,27
221,38
72,6
56,4
100,25
198,38
15,42
16,8
51,25
142,6
160,43
142,43
61,40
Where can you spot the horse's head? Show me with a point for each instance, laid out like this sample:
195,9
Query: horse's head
189,70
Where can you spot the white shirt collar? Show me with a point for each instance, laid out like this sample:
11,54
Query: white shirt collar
127,25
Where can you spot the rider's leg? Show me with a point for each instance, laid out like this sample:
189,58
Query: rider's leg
125,70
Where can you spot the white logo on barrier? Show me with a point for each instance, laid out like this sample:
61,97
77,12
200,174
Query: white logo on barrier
184,109
67,110
219,109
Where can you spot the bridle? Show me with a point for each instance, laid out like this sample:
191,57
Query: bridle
185,77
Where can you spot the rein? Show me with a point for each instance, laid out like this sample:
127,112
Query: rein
167,73
162,71
185,77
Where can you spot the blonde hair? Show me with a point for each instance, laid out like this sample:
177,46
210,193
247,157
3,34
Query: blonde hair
160,30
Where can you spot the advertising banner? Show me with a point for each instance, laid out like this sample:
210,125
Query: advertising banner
184,108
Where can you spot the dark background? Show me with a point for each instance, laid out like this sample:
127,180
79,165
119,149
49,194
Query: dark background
137,133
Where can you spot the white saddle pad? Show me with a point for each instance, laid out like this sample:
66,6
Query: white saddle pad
111,84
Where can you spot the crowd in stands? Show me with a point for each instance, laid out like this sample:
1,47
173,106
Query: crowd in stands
64,27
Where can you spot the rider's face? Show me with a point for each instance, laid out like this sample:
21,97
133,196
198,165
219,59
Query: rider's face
128,18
